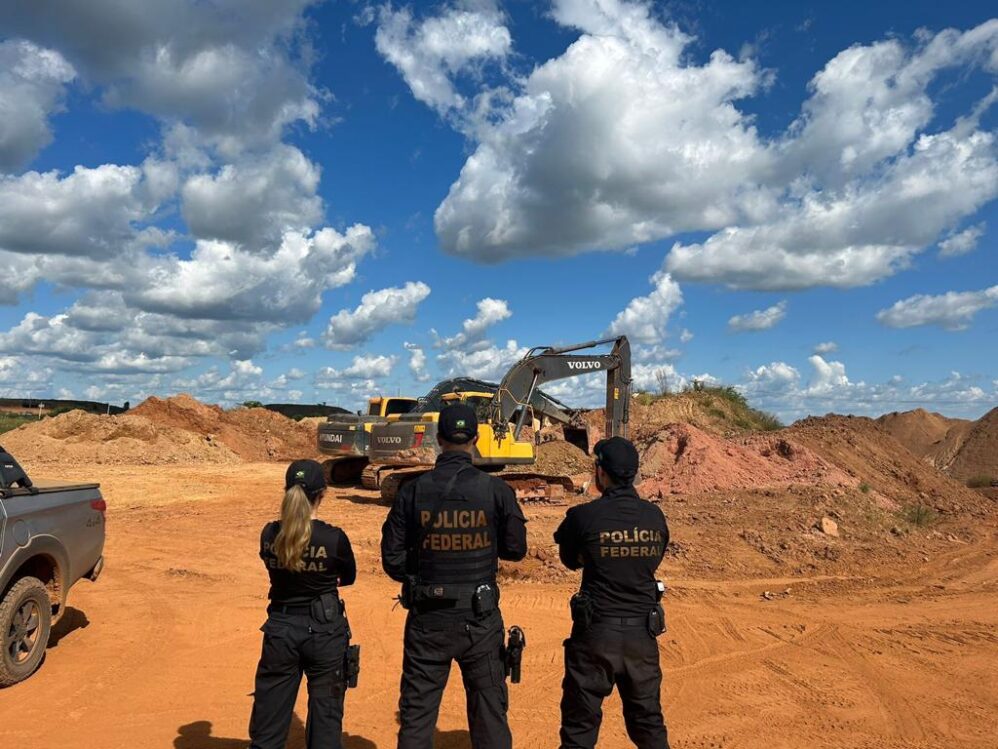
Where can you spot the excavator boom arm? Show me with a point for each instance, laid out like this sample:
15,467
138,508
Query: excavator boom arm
541,365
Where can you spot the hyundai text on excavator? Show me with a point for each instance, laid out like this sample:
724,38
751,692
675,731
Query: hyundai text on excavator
404,448
345,437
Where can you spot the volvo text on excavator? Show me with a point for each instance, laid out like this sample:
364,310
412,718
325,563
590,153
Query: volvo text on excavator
407,446
344,438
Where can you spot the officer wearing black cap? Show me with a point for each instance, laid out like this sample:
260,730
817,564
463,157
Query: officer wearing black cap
442,540
306,628
618,541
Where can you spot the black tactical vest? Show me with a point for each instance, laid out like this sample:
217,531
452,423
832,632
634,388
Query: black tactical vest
458,542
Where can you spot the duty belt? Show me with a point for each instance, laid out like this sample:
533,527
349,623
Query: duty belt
290,608
623,621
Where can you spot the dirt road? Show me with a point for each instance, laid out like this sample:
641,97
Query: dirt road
161,651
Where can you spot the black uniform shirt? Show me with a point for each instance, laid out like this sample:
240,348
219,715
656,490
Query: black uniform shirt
618,540
401,530
328,559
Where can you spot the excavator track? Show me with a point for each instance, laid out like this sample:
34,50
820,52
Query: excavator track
392,480
370,476
346,470
540,488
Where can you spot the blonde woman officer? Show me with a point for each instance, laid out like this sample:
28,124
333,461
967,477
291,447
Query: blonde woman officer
306,629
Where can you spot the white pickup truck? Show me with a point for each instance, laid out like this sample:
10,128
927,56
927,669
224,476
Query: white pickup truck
50,537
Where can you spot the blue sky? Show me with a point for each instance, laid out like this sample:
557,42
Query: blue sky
322,201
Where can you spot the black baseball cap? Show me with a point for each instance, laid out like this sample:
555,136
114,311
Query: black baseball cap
618,457
458,423
307,474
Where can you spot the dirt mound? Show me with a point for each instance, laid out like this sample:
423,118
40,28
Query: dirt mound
254,434
978,455
928,435
715,410
562,458
682,459
858,446
171,430
78,437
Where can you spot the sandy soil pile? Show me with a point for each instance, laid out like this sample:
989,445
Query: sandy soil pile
681,459
978,455
858,446
561,458
251,433
931,436
171,430
705,411
78,437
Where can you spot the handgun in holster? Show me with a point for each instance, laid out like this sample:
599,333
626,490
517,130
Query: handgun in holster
407,595
656,617
485,599
327,608
516,641
352,666
581,606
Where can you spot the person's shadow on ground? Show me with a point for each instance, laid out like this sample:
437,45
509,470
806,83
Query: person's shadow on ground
197,735
444,739
452,740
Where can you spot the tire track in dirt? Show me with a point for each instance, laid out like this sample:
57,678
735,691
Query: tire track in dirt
897,711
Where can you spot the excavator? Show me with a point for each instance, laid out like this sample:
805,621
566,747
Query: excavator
345,437
404,448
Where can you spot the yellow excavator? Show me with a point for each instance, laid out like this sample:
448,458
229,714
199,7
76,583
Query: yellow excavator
404,448
345,438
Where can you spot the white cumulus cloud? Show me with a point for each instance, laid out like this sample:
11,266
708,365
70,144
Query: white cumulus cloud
962,242
430,53
645,318
473,330
762,319
417,362
953,310
32,85
376,311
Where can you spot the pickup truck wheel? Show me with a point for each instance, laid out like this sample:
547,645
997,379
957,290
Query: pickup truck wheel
25,622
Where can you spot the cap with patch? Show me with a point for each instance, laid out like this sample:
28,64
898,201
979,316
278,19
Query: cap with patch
307,474
618,457
458,423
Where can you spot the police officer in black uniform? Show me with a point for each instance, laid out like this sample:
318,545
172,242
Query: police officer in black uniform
618,541
306,628
442,540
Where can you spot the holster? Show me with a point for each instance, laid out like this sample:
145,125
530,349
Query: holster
327,608
581,606
516,641
352,666
656,621
407,596
485,599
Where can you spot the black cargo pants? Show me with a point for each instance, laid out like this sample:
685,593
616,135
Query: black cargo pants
294,644
596,659
432,641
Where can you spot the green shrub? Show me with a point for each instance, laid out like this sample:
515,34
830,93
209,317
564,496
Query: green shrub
865,488
646,399
919,515
768,422
979,482
13,421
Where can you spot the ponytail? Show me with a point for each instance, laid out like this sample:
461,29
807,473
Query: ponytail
296,529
